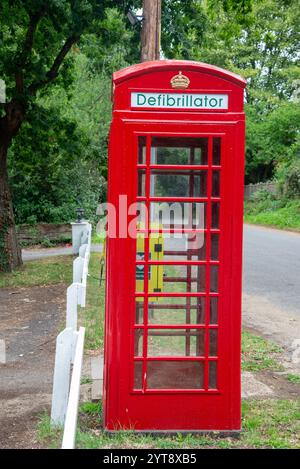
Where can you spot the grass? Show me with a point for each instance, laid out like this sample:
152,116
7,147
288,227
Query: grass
86,380
98,238
293,378
48,435
92,316
266,424
272,423
259,354
273,213
46,271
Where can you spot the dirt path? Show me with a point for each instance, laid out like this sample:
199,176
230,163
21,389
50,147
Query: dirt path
29,321
276,324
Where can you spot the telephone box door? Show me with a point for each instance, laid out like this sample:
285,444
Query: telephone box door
177,311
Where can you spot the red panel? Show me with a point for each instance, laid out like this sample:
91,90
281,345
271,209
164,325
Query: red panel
147,408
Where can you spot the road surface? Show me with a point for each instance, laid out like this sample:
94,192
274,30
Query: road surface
271,283
34,254
272,266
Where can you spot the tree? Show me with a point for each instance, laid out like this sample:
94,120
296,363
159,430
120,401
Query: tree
259,40
35,40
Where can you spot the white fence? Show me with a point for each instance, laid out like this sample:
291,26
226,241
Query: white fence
69,348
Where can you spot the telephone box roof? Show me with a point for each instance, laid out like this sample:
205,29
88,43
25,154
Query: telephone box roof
155,66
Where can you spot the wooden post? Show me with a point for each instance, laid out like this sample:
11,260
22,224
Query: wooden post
72,408
151,30
61,378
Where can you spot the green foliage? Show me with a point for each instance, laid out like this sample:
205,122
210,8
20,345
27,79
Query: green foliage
59,159
91,408
115,48
264,49
288,172
184,24
275,212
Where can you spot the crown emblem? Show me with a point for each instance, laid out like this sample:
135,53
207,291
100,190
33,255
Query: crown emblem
180,82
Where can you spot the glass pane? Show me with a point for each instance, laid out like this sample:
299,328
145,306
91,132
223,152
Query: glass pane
141,183
214,248
138,375
215,222
139,311
138,342
142,150
216,151
216,184
175,342
212,380
178,214
175,375
213,346
181,278
188,247
177,311
179,183
214,278
181,151
213,310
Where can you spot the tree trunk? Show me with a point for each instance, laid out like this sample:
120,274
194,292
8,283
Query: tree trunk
150,37
10,252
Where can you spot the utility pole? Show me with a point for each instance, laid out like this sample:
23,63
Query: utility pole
151,30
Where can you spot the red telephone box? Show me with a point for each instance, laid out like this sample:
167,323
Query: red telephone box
174,255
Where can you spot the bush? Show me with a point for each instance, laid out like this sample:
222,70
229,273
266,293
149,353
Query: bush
288,172
261,196
291,185
263,201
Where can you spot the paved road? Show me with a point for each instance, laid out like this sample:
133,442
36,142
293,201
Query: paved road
33,254
271,286
272,266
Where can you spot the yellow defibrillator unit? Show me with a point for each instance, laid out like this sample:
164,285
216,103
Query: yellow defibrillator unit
155,274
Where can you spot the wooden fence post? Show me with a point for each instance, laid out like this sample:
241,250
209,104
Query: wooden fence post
61,378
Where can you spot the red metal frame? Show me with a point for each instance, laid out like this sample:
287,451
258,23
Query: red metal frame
175,409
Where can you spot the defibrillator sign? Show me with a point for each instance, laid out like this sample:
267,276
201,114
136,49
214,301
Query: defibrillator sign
179,101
